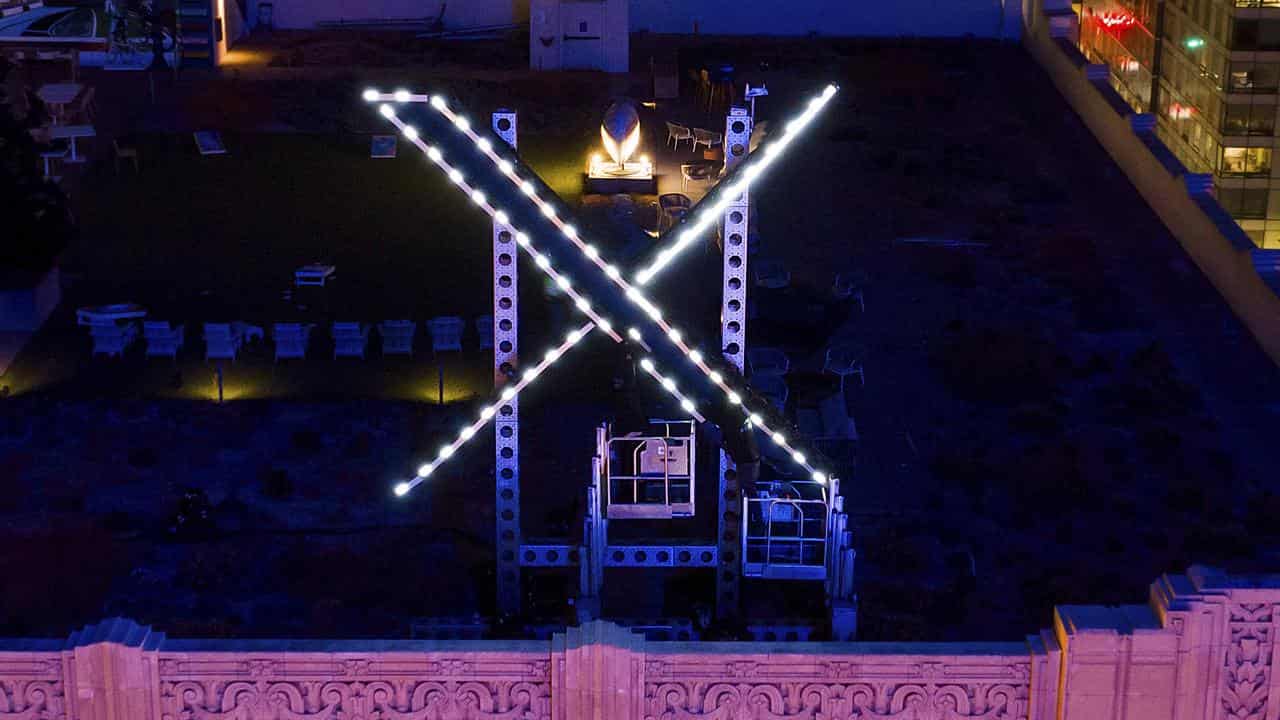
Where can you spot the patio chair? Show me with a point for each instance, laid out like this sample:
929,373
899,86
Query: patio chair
397,336
222,341
849,285
86,108
706,137
771,274
774,388
350,339
676,133
291,340
484,328
845,359
829,421
163,339
446,333
112,339
125,152
672,208
767,361
696,172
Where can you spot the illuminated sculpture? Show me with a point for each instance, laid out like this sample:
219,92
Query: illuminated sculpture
620,134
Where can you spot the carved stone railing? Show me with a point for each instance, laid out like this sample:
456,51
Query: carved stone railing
1202,649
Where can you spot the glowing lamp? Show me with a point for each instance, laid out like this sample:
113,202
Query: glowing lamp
620,136
1193,43
620,131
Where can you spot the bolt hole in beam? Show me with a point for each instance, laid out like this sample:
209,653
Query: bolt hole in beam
750,171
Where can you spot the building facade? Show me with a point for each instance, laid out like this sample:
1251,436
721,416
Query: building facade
1209,71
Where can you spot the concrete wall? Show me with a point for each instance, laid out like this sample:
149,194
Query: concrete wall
554,23
923,18
1183,201
1201,648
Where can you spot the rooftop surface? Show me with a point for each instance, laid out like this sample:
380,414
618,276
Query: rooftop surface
1058,406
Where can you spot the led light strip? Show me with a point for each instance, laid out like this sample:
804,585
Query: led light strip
772,151
491,410
669,385
632,293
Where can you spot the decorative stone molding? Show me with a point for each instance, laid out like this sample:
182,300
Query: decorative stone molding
1203,649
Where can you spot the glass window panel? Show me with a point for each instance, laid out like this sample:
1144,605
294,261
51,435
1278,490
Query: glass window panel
1246,161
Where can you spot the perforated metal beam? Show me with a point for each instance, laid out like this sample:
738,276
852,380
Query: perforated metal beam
704,556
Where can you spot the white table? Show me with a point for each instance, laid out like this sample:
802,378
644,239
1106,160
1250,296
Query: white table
313,274
58,95
109,314
72,132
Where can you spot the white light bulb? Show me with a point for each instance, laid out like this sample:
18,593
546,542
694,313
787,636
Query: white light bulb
508,393
642,277
633,333
484,145
542,262
500,218
674,334
487,413
798,457
779,438
647,364
562,282
455,176
654,313
582,304
569,231
605,325
526,187
446,452
505,167
686,405
591,252
402,489
461,123
755,419
573,337
410,132
467,433
370,95
424,470
815,104
612,272
437,102
548,210
819,477
634,295
735,398
522,239
433,152
668,384
387,111
695,356
531,373
402,96
716,377
828,91
477,197
551,356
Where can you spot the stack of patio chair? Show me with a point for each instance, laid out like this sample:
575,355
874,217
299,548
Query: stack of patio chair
163,339
350,339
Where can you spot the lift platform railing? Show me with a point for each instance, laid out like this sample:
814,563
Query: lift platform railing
785,531
651,476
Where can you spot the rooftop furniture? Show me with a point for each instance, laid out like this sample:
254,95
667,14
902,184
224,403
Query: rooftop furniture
397,336
350,339
163,339
72,133
772,387
109,314
771,274
223,340
86,108
125,152
849,285
54,152
57,96
484,328
672,208
313,274
446,333
291,340
829,421
845,359
676,133
767,361
696,172
113,339
706,137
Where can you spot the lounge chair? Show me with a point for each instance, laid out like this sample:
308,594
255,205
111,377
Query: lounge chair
672,209
224,340
163,339
291,340
446,333
397,336
484,328
767,361
676,133
845,359
113,339
350,339
706,137
849,285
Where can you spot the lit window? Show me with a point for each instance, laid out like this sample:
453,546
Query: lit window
1246,161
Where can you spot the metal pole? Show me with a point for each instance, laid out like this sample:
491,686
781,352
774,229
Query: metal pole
219,383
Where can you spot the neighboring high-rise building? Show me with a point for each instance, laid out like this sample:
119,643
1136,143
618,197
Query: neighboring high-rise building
1209,70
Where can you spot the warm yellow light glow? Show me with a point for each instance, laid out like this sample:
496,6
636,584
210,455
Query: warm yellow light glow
620,153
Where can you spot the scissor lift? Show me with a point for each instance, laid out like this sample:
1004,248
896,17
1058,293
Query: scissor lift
651,475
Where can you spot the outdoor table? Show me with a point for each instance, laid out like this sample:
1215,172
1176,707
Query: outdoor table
71,132
57,96
109,314
313,274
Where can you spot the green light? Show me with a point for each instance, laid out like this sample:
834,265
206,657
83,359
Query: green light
1193,43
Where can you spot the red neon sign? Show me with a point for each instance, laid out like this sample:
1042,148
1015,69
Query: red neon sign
1117,20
